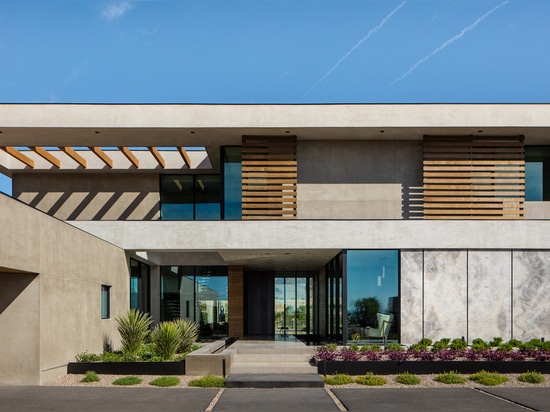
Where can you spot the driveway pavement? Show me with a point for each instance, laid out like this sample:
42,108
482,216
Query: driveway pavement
82,399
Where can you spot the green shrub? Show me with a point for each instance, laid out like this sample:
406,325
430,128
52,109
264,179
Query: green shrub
165,381
496,341
479,344
450,378
166,338
112,357
371,380
87,357
208,381
458,344
394,347
127,380
441,344
338,379
189,332
90,376
488,378
505,347
425,341
531,377
417,347
515,343
407,378
133,328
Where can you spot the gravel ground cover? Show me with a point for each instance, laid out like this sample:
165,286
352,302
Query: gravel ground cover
426,381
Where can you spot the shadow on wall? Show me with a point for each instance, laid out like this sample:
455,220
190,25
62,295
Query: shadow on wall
96,205
100,196
12,286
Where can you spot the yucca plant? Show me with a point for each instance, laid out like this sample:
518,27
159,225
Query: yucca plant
133,328
166,338
189,332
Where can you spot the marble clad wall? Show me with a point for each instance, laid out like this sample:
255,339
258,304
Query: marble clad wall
445,295
489,294
475,294
531,283
412,301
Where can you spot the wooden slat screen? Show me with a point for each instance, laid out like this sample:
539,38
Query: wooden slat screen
269,175
470,177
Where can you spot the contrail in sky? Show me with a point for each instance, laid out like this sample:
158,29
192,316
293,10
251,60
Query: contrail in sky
451,40
370,33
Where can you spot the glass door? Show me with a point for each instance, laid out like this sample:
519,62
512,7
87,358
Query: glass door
293,304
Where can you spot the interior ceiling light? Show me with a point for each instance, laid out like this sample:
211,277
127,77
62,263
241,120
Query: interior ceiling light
178,184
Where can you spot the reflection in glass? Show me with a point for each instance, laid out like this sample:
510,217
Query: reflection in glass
190,197
197,293
139,286
232,182
537,173
294,303
372,287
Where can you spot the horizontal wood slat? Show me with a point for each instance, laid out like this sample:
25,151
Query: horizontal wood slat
471,177
269,177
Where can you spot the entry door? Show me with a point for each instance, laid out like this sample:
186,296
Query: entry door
293,305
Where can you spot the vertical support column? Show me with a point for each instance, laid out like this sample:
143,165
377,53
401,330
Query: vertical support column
155,293
236,301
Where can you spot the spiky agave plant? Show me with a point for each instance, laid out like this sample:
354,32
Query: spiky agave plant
133,328
189,334
166,338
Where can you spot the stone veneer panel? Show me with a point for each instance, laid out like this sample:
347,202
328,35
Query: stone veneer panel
445,294
489,294
531,288
411,295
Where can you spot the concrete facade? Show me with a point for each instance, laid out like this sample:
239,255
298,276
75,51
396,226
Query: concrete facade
51,277
359,185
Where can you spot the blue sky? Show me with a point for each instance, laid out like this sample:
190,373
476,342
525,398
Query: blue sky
274,51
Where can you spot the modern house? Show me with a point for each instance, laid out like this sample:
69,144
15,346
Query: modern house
270,219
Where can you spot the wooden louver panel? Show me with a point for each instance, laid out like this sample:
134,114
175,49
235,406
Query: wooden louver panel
470,177
269,176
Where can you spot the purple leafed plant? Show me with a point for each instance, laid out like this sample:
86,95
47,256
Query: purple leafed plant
399,356
348,354
446,354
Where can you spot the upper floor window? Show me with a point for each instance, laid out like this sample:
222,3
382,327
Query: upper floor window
190,197
537,173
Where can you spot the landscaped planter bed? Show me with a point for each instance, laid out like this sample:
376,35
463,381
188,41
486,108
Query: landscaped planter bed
388,367
128,368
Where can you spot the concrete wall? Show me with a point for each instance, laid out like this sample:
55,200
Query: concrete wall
349,201
58,313
19,326
72,196
536,210
475,294
363,162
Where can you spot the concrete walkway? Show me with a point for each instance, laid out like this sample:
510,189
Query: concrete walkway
42,398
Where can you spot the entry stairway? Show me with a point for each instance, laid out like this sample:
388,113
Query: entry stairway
273,364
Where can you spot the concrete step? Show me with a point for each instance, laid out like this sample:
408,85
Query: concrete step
270,357
274,349
266,380
272,368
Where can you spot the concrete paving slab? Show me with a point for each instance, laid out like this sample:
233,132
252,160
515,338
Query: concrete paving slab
534,398
422,400
287,400
276,380
61,399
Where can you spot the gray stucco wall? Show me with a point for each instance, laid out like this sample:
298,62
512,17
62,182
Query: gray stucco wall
53,312
475,294
91,196
363,162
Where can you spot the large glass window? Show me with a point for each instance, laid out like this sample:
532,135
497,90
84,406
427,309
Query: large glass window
197,293
140,295
372,278
190,197
537,173
232,182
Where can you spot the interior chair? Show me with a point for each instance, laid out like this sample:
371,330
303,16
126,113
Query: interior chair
383,329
